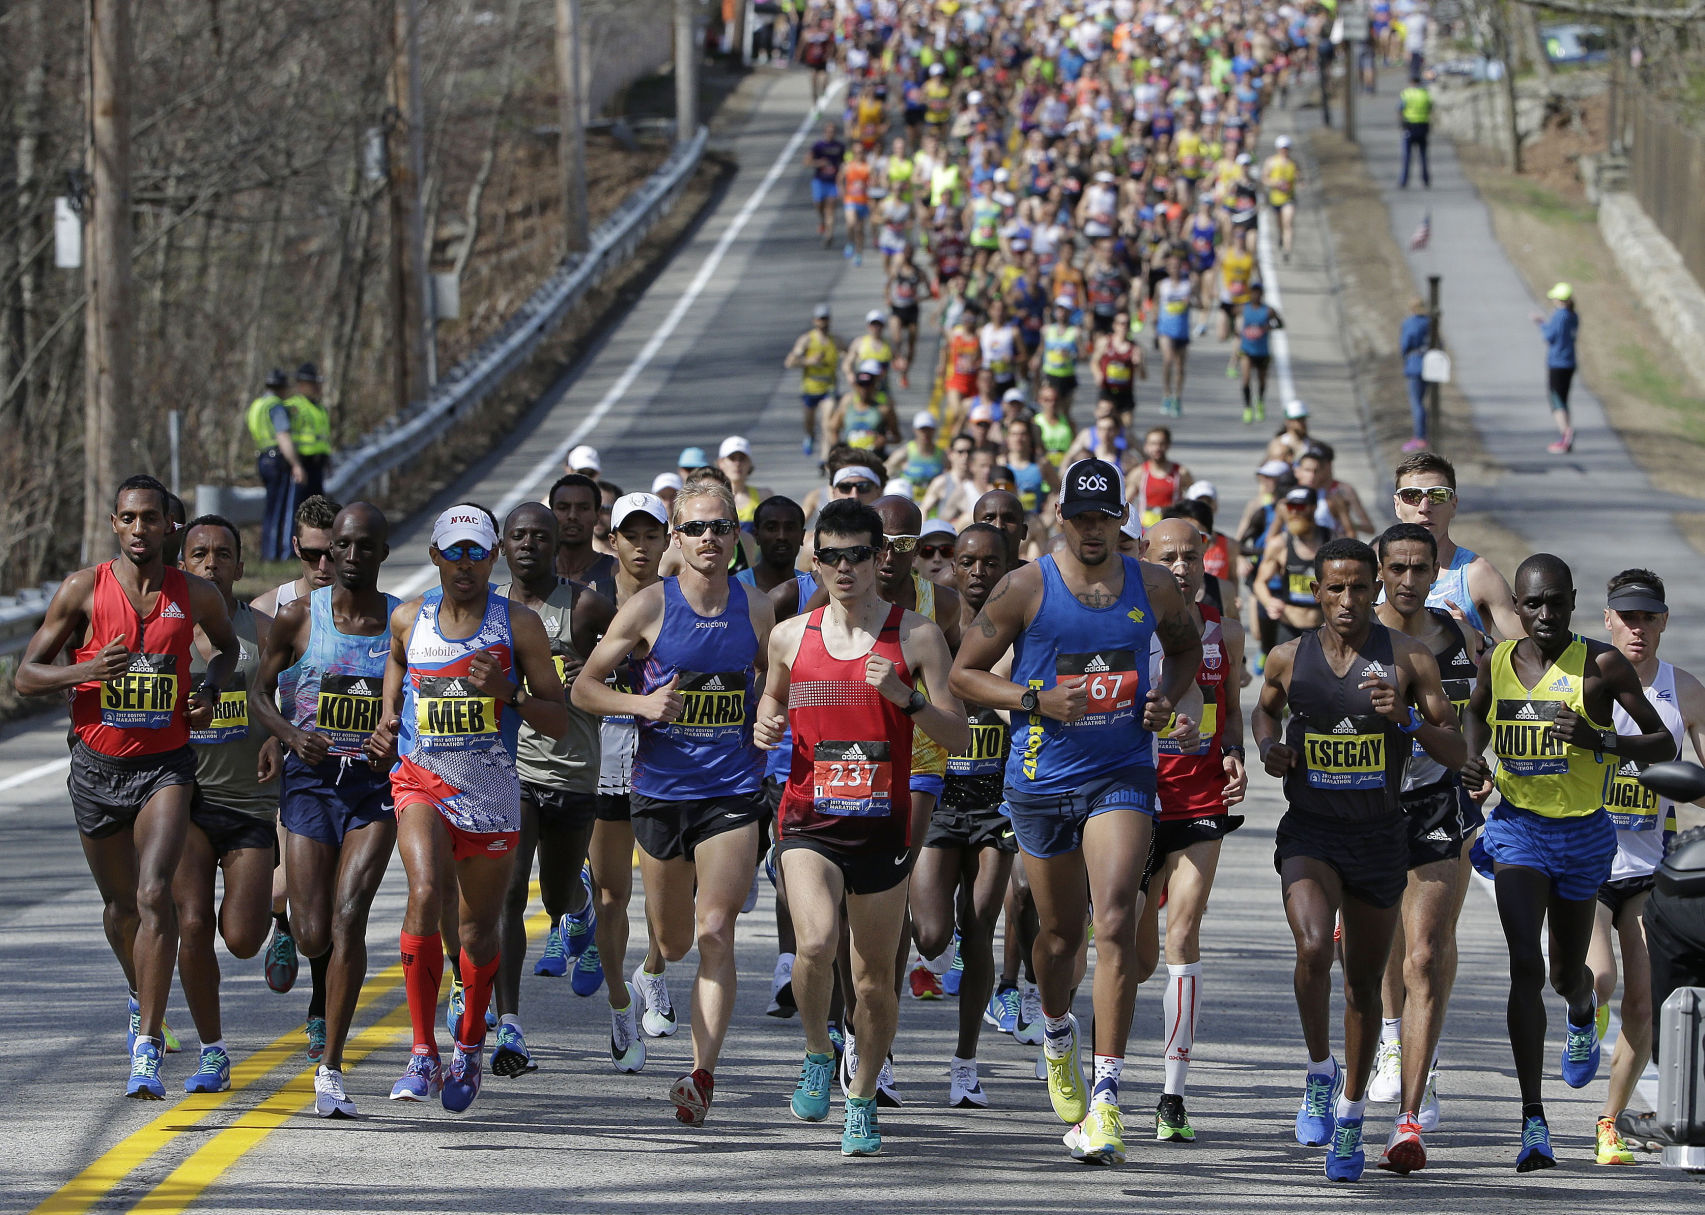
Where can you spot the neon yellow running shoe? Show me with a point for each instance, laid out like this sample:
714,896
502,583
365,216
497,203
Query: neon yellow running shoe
1611,1148
1066,1088
1099,1138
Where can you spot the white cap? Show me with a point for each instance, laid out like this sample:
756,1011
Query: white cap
899,487
585,457
1283,141
974,97
464,525
855,472
1133,526
869,367
1013,394
1295,409
1002,175
663,481
821,310
1063,301
732,445
641,504
1104,177
937,69
937,527
1003,198
1203,489
923,420
875,317
1273,468
1244,158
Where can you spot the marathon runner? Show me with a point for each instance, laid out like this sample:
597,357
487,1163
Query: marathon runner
697,798
324,666
824,160
575,500
1279,176
1359,695
1549,844
1285,576
816,353
1468,585
467,667
1080,627
132,770
844,826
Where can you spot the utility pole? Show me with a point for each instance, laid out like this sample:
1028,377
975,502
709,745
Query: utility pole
686,72
1434,342
410,297
572,144
108,324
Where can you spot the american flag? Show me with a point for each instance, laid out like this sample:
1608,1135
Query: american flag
1423,233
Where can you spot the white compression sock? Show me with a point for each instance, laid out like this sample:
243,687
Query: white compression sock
1179,1005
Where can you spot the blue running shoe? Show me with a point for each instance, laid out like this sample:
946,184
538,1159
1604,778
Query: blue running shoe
588,974
1536,1150
1314,1118
805,448
212,1073
453,1010
554,961
861,1136
811,1095
1002,1012
577,928
1344,1158
135,1030
420,1081
955,973
510,1057
838,1040
1580,1053
462,1079
144,1082
316,1031
281,961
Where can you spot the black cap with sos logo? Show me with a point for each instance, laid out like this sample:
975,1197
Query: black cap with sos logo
1092,485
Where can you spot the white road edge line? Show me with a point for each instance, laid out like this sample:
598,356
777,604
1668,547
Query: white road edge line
543,470
51,767
1279,339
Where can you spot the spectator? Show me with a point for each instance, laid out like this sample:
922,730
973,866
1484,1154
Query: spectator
1413,340
1559,330
280,467
311,427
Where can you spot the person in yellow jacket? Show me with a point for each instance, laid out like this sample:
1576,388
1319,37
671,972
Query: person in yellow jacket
1415,110
271,423
312,428
1543,704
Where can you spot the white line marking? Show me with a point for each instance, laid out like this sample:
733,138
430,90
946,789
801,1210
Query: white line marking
51,767
541,472
1279,339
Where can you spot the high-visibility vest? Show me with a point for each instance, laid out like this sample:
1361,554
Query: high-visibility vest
261,429
312,426
1417,104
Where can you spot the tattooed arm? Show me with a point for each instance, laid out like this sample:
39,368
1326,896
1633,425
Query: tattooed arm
1004,616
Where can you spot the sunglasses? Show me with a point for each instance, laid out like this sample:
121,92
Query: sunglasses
1299,506
698,527
930,552
856,554
900,544
465,552
1414,495
857,486
313,556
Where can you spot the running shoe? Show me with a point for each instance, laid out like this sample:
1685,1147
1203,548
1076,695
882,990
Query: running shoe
1536,1150
781,988
1643,1131
169,1039
810,1101
453,1010
1065,1077
1248,414
510,1057
330,1100
1041,1063
1260,410
144,1082
461,1079
212,1073
659,1019
627,1044
1430,1103
838,1040
924,982
554,961
1404,1151
316,1031
849,1065
1099,1138
692,1095
578,926
1611,1148
1386,1083
281,960
805,448
887,1091
955,973
1002,1012
1171,1123
134,1031
1580,1054
1028,1028
965,1090
1344,1157
420,1081
1314,1117
588,976
1231,370
861,1136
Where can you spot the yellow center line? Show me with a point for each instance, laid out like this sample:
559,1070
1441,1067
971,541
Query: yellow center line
104,1174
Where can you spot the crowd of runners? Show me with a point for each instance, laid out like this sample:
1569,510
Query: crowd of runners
974,709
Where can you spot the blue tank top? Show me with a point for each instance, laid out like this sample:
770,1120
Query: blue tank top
708,750
1110,646
779,763
1028,478
1452,584
336,687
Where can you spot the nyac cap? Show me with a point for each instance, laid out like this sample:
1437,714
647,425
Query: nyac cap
463,525
1092,485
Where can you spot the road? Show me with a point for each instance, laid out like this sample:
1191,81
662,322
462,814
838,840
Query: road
697,358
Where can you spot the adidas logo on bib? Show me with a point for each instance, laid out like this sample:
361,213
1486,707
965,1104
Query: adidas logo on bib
171,611
361,688
455,688
1096,666
1344,727
713,684
1560,684
854,753
1526,713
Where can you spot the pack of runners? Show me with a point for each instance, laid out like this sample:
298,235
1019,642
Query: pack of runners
997,698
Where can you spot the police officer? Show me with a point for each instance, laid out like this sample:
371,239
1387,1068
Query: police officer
271,425
312,430
1415,109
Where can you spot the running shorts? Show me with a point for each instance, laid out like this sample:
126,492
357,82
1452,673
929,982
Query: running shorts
961,827
1436,829
107,793
1575,853
559,807
1178,834
1371,859
1617,893
863,870
1052,824
229,830
670,829
325,802
823,191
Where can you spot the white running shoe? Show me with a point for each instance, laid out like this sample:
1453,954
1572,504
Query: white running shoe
1041,1063
659,1019
849,1065
1386,1084
781,988
1029,1028
330,1101
1428,1115
627,1047
966,1091
887,1093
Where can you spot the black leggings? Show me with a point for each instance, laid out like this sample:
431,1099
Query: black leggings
1557,381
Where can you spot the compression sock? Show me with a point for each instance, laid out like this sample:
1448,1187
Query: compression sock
423,971
1179,1006
477,981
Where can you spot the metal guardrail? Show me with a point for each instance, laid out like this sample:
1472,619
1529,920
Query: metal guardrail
462,389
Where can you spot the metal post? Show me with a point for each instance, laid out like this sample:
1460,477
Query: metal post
686,71
1434,343
174,430
419,254
1352,82
572,148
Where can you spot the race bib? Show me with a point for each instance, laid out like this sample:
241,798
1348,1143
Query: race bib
1522,738
230,719
852,779
347,710
1118,373
1349,756
144,697
1254,333
986,755
1301,586
711,702
450,714
1458,690
1113,683
1210,727
1632,806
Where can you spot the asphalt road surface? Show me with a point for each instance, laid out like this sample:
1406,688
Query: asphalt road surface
699,357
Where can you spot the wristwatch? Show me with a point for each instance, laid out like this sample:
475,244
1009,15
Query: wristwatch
1414,723
914,703
1029,701
517,698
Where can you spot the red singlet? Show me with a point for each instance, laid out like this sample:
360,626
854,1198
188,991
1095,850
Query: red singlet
142,711
1189,785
